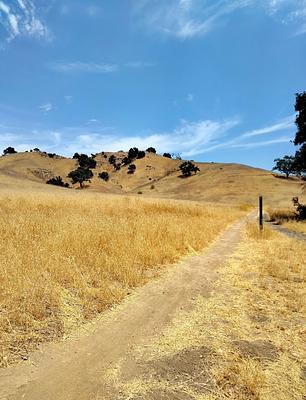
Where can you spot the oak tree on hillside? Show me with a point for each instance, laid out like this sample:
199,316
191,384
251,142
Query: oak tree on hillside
85,161
167,155
151,150
80,175
9,150
133,153
188,168
286,165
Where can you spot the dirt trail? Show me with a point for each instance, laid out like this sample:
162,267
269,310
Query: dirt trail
74,370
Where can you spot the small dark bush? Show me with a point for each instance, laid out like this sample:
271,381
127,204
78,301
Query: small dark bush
133,153
151,150
126,161
51,155
112,159
9,150
141,154
57,181
167,155
300,209
131,169
104,175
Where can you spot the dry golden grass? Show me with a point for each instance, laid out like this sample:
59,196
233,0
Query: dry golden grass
287,218
65,256
251,328
298,226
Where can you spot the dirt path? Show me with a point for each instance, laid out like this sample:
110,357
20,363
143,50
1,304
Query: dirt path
75,369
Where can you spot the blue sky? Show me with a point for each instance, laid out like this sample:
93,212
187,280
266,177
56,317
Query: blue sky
214,80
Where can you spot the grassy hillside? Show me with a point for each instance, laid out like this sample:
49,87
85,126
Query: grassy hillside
159,177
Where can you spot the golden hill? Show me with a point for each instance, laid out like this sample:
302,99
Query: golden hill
156,176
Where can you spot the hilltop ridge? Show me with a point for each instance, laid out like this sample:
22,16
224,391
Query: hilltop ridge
155,176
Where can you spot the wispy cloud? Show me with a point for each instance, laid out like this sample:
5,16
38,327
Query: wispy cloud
190,138
78,66
47,107
186,19
284,124
96,67
20,18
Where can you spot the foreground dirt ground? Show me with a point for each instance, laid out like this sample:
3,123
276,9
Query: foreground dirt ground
227,324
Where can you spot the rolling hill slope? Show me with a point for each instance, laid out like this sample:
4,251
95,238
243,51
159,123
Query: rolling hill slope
156,176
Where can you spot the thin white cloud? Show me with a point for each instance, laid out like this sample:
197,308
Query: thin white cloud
190,138
96,67
78,66
285,124
19,18
186,19
46,107
283,139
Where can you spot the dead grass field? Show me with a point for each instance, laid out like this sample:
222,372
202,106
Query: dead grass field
246,341
66,256
287,218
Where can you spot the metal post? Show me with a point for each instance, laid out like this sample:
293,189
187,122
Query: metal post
260,213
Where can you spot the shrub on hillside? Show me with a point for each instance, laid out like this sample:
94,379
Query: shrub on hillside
126,161
9,150
141,154
151,150
57,181
300,209
167,155
131,169
112,159
104,175
133,153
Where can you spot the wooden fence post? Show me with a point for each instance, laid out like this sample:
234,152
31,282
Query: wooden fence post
260,213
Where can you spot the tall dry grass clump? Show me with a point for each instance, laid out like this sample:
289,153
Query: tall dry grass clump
67,256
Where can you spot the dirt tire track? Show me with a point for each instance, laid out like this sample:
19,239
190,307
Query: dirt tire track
74,370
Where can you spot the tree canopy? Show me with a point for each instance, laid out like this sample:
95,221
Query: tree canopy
287,165
80,175
9,150
188,168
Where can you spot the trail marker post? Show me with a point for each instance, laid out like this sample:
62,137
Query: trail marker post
260,213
